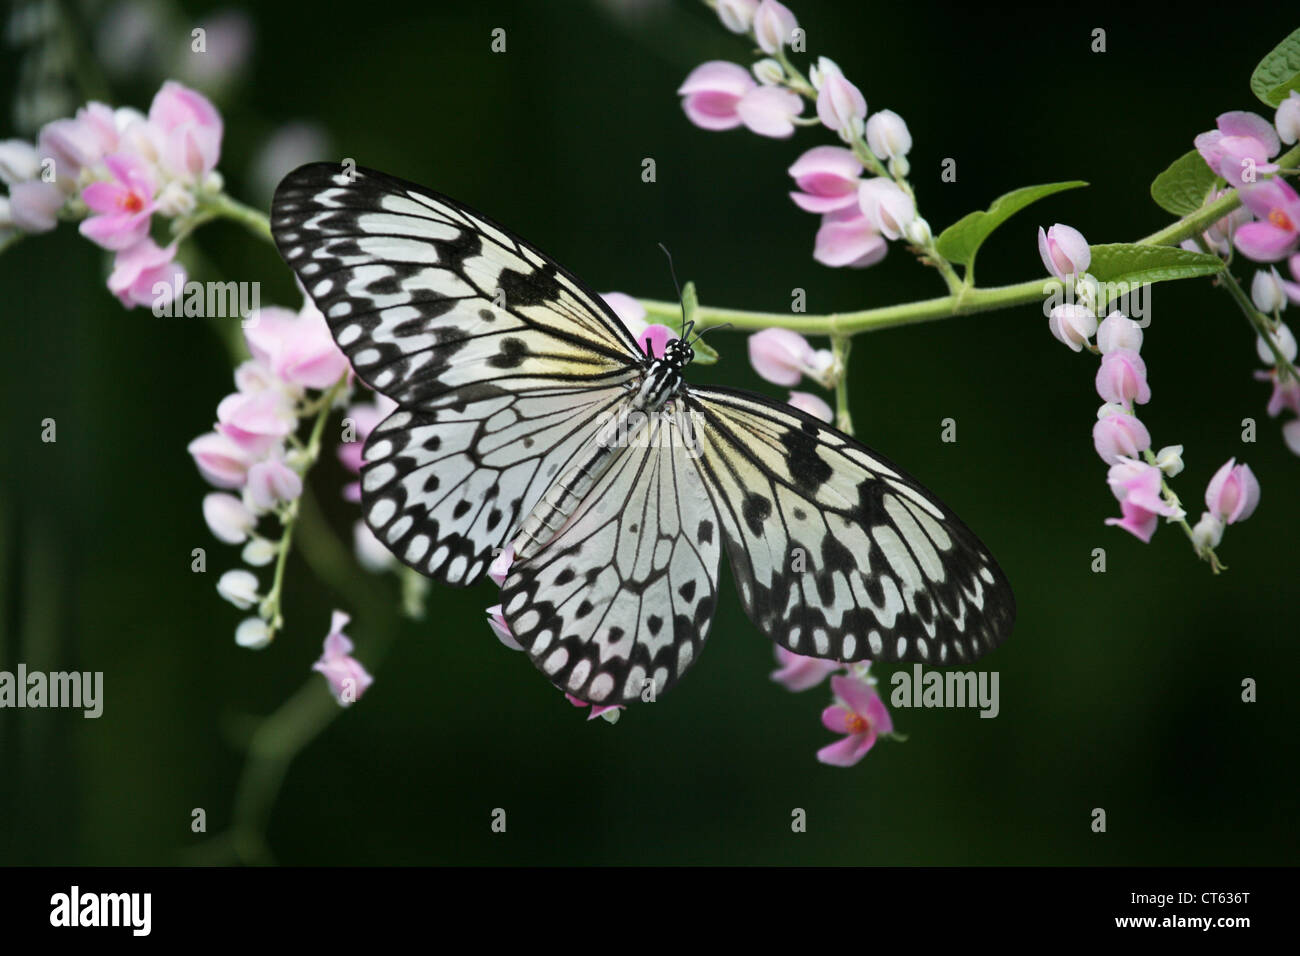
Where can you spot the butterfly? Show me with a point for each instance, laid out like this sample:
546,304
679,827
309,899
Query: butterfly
528,415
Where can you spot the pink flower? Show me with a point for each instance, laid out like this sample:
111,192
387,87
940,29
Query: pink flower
227,518
271,483
711,94
1122,378
497,621
1276,232
146,274
770,111
220,460
1233,493
297,348
256,421
884,203
1136,520
848,238
1244,141
34,205
73,144
597,710
1285,394
347,678
828,176
773,25
840,105
1139,484
191,129
814,406
860,717
499,569
124,204
798,672
655,339
1120,435
1064,251
783,357
1072,324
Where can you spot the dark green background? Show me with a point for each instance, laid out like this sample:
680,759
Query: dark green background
1119,690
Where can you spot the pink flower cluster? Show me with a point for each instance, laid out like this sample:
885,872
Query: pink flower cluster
858,713
1136,476
858,215
1271,295
1240,151
114,170
253,452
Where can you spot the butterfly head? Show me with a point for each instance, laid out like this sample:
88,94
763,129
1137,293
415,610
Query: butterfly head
678,353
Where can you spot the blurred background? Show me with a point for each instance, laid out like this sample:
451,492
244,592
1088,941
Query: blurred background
1119,690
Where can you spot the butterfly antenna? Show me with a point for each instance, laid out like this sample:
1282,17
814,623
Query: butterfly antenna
712,328
677,285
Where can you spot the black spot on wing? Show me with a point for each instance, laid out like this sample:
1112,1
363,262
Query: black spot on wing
756,510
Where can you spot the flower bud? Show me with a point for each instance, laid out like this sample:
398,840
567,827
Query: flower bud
1120,435
239,588
840,105
1266,291
887,135
1233,493
887,207
1170,459
1287,120
918,233
737,15
773,25
1208,532
1122,378
1072,325
1117,331
1283,339
227,518
1064,251
259,552
768,72
252,633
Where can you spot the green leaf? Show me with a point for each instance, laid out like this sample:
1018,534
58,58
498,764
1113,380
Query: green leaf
1277,72
704,355
1137,264
960,241
1181,189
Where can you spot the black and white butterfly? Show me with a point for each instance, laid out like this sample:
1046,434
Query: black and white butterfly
529,415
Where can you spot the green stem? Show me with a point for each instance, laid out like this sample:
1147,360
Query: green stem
841,344
270,608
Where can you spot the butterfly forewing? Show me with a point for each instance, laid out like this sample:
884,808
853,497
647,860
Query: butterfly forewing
836,552
502,362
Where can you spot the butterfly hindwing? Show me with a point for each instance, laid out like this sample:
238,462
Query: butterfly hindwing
836,552
623,597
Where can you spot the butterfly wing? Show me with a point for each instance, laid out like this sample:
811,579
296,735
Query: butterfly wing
625,593
836,552
501,361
